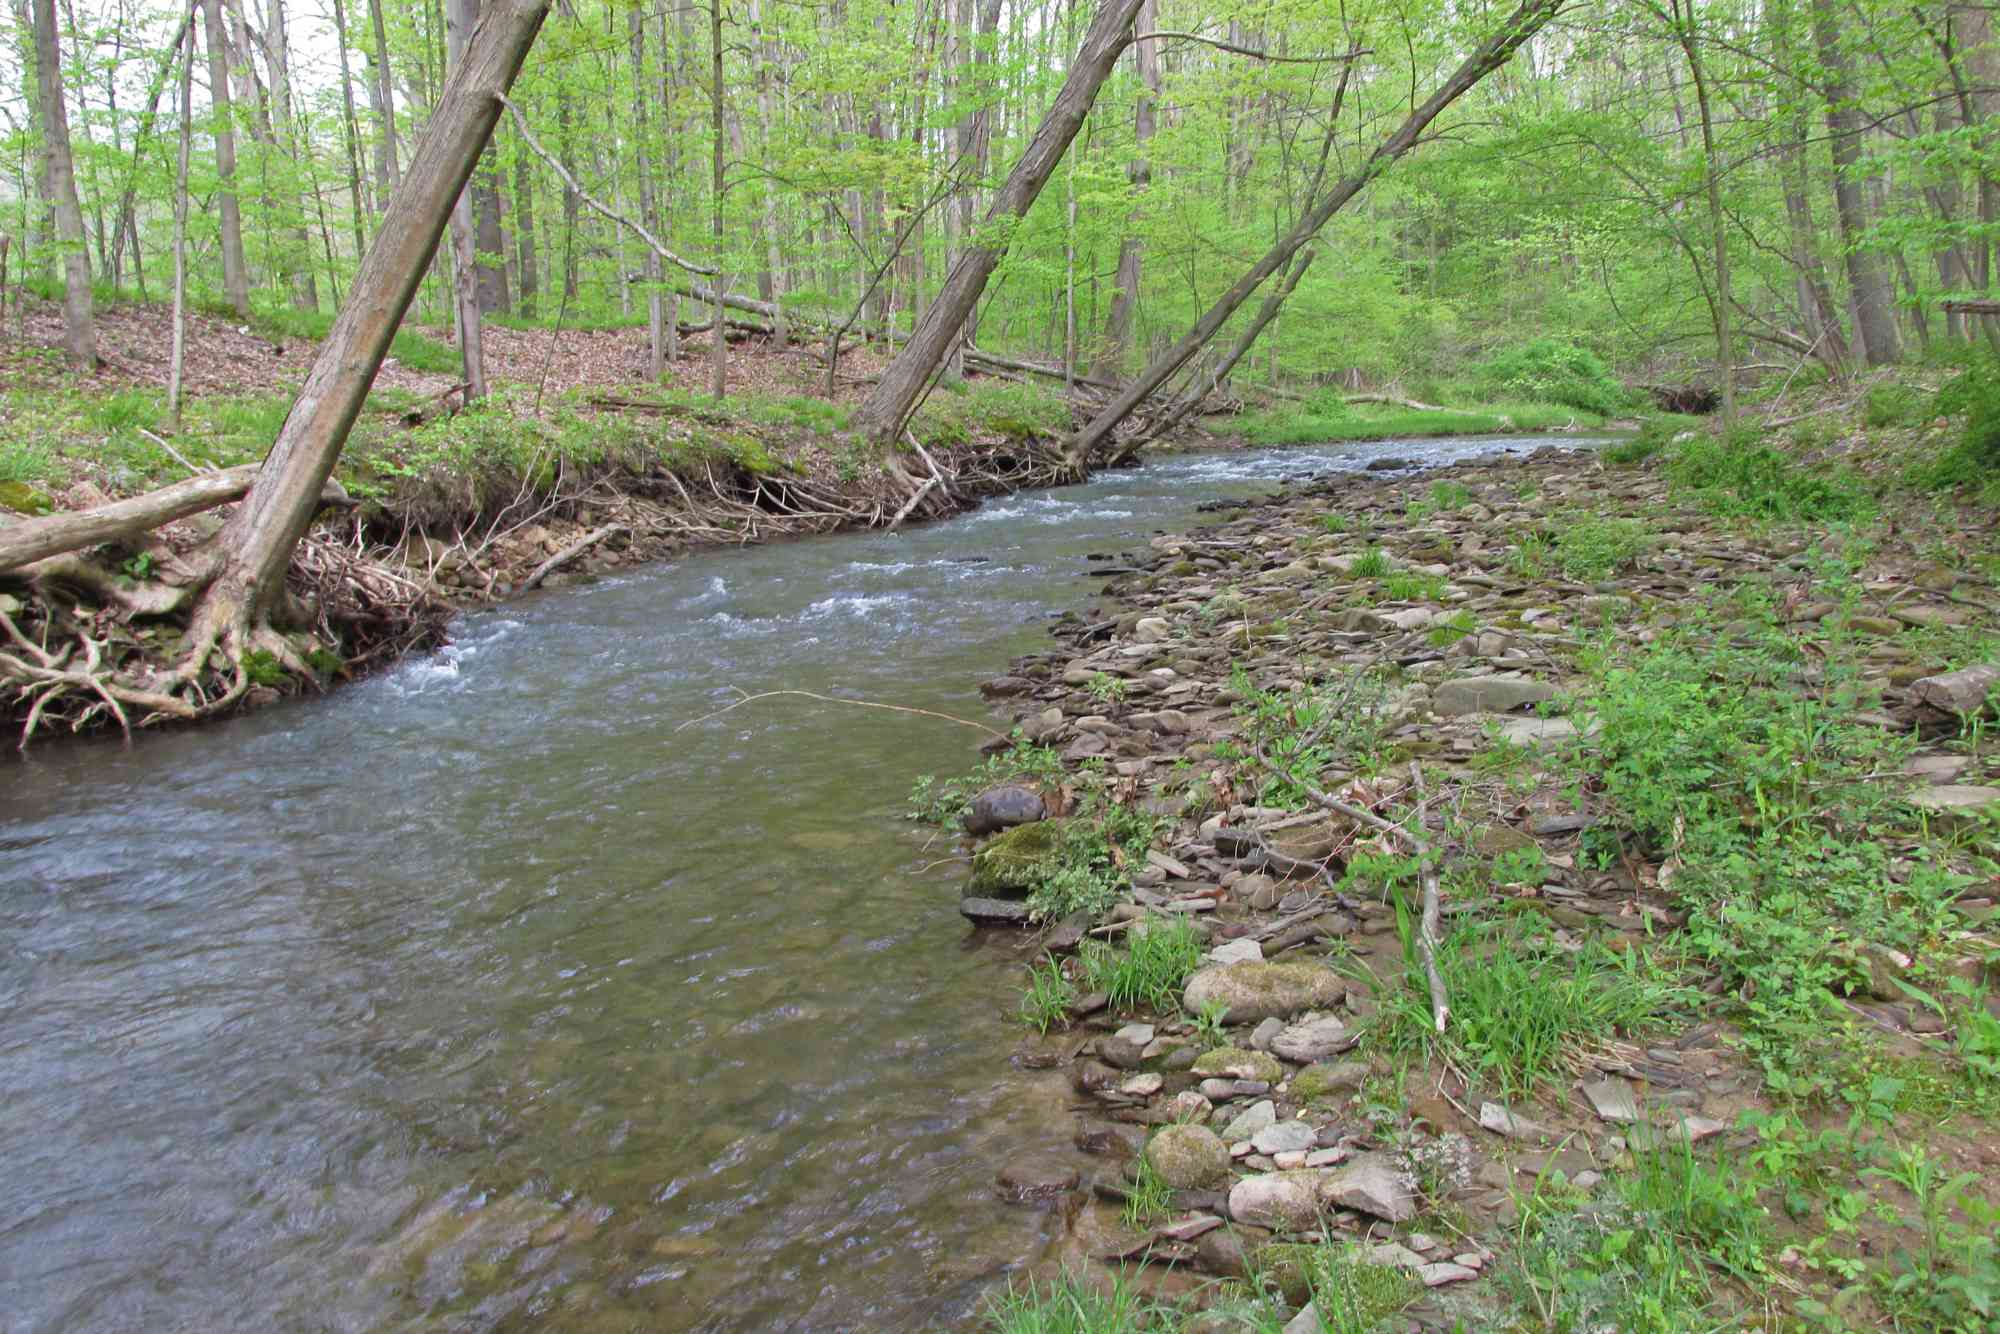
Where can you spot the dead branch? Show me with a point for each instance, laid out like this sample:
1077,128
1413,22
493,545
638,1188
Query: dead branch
570,553
833,699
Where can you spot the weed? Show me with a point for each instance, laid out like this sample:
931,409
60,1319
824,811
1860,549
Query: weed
1149,1197
1350,1295
1741,477
1106,687
1530,558
1895,405
1208,1027
1333,521
1448,630
1406,586
1069,1305
942,803
26,461
1588,549
1448,496
263,668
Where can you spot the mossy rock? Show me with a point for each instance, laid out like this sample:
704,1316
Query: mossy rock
1328,1080
1238,1063
1189,1157
1016,861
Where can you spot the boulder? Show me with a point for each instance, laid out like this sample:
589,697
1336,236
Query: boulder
1253,991
1016,861
1325,1081
1189,1157
1004,807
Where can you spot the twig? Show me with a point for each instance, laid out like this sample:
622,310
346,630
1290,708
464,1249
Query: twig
1252,52
162,443
1428,929
834,699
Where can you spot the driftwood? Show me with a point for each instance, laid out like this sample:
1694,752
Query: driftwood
51,535
1390,400
570,553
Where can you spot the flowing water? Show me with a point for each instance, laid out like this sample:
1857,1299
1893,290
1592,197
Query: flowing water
485,994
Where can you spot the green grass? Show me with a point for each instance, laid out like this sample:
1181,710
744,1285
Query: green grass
1523,1009
1071,1305
1588,548
1303,427
1148,1199
1046,999
1149,972
1743,477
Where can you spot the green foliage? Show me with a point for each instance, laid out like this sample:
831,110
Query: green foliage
1554,371
1148,1199
1306,731
1407,586
1351,1295
1974,394
1655,435
263,668
1017,412
1588,548
1892,404
23,462
1148,973
1370,564
1741,477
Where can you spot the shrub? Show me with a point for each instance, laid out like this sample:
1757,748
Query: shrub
1554,371
1743,477
1895,405
1975,396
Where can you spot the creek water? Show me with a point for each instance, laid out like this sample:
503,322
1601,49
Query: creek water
485,995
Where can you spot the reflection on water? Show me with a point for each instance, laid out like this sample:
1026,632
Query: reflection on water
479,995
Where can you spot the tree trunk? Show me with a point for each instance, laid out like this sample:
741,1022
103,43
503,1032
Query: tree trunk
888,404
277,51
382,97
178,358
1874,310
461,21
258,540
350,129
1490,55
524,235
718,361
235,271
1718,221
571,202
1139,175
59,188
649,214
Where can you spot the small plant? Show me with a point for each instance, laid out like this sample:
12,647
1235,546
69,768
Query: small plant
1106,687
1448,496
1069,1305
1049,994
1895,405
138,567
1407,586
1588,549
1333,521
1742,477
263,668
1208,1027
1448,630
1530,558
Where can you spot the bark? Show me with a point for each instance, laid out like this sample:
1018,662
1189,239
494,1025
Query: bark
259,538
59,188
36,226
572,200
235,271
1118,323
524,235
1874,311
1490,55
770,279
889,403
31,540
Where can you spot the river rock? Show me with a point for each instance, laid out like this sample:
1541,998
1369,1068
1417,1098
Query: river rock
1285,1137
1003,807
1951,798
1152,629
1443,1272
994,912
1189,1157
1281,1201
1015,861
1257,1116
1313,1040
1324,1081
1372,1186
1236,1063
1253,991
1241,950
1488,694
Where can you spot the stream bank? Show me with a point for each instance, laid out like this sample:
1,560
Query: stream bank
1274,734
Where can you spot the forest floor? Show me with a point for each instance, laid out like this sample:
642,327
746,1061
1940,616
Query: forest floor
1715,859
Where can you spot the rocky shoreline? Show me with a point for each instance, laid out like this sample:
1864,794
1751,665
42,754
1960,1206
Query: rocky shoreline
1297,702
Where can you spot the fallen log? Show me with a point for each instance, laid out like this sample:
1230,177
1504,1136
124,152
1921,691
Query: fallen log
36,539
570,553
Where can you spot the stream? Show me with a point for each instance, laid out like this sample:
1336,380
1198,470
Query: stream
483,994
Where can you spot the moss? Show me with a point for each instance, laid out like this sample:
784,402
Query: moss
1326,1081
1016,861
